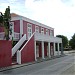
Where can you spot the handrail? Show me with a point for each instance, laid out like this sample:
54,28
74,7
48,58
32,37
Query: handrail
27,41
18,45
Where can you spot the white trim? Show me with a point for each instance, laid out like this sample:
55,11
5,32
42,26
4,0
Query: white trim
12,28
28,33
18,57
21,28
35,51
58,48
18,45
47,31
42,30
36,23
46,38
36,30
51,32
49,49
15,18
31,21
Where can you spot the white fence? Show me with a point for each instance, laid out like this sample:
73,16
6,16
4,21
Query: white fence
18,45
16,36
43,37
2,34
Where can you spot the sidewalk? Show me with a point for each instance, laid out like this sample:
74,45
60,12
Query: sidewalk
68,52
26,64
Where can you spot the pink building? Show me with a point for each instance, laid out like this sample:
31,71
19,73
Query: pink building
33,40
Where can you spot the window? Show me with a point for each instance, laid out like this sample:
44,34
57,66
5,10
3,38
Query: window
36,29
42,30
51,32
47,32
29,30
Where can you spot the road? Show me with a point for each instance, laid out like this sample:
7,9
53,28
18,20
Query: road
59,66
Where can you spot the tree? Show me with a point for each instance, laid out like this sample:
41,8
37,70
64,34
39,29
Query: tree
1,19
7,19
72,42
4,21
64,40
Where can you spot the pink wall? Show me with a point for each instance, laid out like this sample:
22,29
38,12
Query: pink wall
5,53
25,28
33,28
16,26
28,54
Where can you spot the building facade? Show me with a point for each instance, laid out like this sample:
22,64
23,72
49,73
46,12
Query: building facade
34,40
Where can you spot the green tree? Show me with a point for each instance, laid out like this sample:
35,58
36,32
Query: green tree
1,19
7,19
64,40
4,21
72,42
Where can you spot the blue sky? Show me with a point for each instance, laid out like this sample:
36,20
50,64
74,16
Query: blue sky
59,14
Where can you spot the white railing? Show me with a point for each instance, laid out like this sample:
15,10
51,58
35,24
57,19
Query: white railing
47,38
2,34
16,36
18,45
19,51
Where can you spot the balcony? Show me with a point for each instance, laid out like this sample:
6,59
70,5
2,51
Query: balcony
16,36
47,38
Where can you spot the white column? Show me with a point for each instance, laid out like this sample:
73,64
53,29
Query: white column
19,57
43,50
49,49
21,28
54,49
35,51
58,48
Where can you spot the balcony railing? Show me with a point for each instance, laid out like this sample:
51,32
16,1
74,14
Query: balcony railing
16,36
47,38
2,34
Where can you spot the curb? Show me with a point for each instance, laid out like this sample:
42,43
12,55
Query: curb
22,65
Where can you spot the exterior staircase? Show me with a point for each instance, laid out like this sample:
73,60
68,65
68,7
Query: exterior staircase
17,47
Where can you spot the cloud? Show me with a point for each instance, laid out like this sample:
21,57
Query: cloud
59,14
54,13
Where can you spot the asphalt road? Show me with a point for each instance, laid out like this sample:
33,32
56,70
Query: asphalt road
59,66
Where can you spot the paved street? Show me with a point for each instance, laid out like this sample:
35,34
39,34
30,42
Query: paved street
58,66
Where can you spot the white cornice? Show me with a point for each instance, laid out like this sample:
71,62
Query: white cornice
31,21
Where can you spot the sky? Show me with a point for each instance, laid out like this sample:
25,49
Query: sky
59,14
